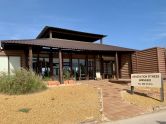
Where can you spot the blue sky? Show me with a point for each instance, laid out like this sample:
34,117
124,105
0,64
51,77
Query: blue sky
137,24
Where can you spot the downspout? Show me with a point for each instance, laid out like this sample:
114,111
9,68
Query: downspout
1,45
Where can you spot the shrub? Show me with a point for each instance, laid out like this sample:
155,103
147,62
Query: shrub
66,74
21,82
25,110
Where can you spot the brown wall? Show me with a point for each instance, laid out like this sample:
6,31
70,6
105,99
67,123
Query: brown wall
125,65
134,63
162,60
15,53
149,61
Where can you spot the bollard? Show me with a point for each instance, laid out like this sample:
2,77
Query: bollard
132,89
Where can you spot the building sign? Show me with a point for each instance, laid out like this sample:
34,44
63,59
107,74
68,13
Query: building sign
146,80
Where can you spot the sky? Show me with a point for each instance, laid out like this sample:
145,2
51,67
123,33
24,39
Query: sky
137,24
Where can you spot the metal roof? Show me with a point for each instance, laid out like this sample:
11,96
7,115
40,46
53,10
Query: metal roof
69,34
66,44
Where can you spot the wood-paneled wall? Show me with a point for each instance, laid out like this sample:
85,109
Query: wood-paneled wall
125,66
162,61
151,60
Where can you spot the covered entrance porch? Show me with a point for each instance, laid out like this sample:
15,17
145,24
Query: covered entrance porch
59,64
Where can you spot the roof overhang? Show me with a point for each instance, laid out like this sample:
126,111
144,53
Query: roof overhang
69,34
65,44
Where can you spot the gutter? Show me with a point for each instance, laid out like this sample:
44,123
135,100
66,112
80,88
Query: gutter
1,45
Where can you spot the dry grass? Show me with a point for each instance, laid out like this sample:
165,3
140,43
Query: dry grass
66,104
149,100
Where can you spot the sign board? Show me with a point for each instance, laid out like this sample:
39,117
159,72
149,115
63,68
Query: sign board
98,75
147,80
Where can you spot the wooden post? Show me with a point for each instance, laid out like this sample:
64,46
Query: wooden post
94,67
132,90
117,65
79,70
101,66
51,64
30,58
87,72
26,57
106,65
162,91
71,66
38,63
60,67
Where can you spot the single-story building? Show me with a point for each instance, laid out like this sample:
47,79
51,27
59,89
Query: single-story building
56,51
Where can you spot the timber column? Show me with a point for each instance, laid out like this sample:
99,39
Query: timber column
30,55
94,69
87,71
117,65
101,67
60,67
51,64
71,66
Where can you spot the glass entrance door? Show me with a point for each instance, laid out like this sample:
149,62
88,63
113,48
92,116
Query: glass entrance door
108,69
91,68
79,69
75,68
56,68
82,69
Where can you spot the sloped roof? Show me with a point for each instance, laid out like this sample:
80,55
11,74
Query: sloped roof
66,44
69,34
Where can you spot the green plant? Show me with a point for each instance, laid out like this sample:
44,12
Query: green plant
25,110
21,82
47,78
66,74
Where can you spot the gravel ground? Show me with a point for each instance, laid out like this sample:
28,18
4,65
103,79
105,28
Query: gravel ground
57,105
150,102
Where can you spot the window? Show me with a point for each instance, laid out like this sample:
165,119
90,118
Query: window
9,63
97,66
14,63
4,64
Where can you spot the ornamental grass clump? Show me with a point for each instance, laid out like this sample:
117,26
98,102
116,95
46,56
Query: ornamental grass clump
21,82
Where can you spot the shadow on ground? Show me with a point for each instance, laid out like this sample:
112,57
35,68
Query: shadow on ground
161,122
142,94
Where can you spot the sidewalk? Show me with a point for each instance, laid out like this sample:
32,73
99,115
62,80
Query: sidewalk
152,118
114,107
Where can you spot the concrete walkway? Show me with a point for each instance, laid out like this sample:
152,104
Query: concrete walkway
153,118
114,107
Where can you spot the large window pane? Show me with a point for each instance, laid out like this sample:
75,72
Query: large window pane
82,69
4,64
14,63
